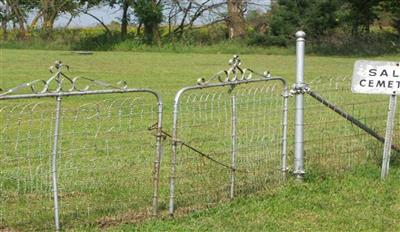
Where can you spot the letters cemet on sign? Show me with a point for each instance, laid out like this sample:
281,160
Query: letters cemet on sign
376,77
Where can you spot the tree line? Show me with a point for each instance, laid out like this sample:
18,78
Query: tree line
319,17
277,20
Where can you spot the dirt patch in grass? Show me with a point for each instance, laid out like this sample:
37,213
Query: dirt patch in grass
6,229
129,217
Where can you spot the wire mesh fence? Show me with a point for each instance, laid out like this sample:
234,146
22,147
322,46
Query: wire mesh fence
105,161
25,177
228,139
228,143
76,157
333,144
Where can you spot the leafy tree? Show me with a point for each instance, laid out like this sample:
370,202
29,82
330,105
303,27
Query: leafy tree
257,20
5,16
125,5
361,14
322,16
317,17
284,18
149,13
393,7
50,10
17,11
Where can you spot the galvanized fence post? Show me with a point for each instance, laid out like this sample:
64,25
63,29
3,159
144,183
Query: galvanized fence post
54,164
299,121
234,145
388,136
54,152
285,95
173,158
156,174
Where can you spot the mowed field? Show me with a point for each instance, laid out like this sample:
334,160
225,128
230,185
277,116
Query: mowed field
102,189
165,72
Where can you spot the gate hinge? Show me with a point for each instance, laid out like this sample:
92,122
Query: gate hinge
286,93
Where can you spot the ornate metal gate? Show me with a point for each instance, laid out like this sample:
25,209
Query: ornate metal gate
225,140
89,149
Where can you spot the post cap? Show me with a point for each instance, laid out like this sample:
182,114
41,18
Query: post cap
300,34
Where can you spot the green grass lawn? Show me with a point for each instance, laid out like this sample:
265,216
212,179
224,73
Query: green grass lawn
165,72
106,151
358,201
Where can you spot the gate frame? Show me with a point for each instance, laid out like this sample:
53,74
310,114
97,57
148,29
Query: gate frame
58,93
234,76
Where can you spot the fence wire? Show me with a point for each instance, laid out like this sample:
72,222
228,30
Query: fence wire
333,144
106,150
25,177
246,121
105,162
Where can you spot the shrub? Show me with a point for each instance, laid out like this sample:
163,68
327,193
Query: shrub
257,39
371,44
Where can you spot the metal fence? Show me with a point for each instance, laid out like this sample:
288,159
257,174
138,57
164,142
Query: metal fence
334,143
97,153
345,130
229,138
90,151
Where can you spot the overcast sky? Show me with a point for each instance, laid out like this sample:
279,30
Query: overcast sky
107,15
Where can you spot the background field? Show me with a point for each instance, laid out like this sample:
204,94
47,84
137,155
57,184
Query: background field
165,72
356,201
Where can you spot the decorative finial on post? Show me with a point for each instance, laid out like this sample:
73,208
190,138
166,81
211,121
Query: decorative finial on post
58,65
235,61
234,73
300,35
